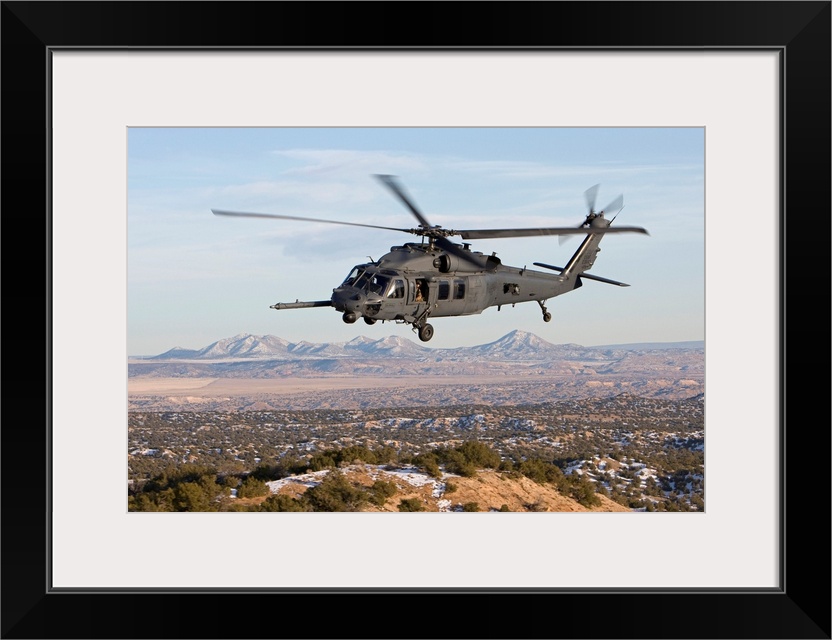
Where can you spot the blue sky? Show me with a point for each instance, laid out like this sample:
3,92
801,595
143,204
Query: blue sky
194,277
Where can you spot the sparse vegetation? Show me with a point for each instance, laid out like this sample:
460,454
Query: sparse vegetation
642,453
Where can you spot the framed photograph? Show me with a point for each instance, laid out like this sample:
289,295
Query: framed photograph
80,79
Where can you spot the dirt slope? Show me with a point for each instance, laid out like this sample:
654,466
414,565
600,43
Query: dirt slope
490,490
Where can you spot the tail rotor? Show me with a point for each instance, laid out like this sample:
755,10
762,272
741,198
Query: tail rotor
591,195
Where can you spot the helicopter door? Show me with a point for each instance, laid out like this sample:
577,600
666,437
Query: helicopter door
419,291
474,298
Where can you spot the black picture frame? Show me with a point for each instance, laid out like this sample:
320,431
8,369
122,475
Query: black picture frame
799,31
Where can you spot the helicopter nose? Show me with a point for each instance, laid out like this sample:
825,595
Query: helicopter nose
347,300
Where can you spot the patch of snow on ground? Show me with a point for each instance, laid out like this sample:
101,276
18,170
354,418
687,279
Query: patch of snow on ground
412,476
307,479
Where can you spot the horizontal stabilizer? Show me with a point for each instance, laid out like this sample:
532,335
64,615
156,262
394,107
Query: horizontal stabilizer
582,275
301,305
600,279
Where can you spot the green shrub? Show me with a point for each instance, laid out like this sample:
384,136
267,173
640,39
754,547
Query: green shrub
321,461
282,502
191,496
583,491
430,463
356,453
335,493
381,490
541,472
479,454
252,488
230,481
411,504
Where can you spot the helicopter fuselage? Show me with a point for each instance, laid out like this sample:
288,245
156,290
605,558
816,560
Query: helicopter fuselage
416,281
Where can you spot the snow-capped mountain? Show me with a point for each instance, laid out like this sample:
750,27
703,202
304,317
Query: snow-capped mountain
321,350
391,346
245,345
264,347
515,345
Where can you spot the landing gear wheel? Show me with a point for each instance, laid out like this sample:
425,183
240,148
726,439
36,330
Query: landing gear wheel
425,332
349,317
369,320
547,317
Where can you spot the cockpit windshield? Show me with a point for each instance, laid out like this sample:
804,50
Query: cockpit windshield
369,282
374,283
361,281
354,275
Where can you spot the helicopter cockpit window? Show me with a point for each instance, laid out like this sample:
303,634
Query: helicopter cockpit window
373,283
397,290
362,280
354,274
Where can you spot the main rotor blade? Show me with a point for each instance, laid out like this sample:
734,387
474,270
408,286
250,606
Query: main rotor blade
245,214
390,182
479,234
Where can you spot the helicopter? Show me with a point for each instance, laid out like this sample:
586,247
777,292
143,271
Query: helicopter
434,278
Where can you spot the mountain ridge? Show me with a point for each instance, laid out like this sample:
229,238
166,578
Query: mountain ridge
516,344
